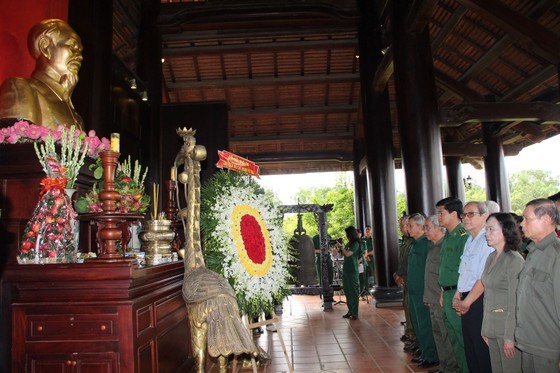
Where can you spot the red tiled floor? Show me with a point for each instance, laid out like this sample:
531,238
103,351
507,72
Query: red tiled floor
319,341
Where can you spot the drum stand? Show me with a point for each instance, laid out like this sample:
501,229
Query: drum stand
336,286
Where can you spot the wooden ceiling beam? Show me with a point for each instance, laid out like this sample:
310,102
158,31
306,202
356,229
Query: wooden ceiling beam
543,112
530,83
448,27
384,71
323,155
531,33
272,33
332,109
265,81
465,149
501,45
269,139
451,149
263,47
456,88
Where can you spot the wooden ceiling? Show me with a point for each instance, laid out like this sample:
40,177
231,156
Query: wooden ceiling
288,71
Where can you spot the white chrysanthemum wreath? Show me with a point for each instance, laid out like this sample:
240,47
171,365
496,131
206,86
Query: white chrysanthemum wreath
244,241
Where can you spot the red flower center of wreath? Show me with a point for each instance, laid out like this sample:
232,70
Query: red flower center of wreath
253,239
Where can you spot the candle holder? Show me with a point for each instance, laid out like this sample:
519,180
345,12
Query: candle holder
171,208
110,233
109,196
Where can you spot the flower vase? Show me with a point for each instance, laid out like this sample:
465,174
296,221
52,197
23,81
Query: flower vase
75,224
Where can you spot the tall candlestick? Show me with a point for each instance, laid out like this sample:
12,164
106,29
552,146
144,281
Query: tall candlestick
173,176
115,142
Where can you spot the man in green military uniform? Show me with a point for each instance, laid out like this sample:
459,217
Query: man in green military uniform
319,265
419,313
449,212
400,279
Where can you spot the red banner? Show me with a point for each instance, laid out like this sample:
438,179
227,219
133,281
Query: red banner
234,162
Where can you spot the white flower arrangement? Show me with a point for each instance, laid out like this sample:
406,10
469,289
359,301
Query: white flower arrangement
248,234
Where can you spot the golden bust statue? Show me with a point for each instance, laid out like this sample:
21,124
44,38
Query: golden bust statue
45,98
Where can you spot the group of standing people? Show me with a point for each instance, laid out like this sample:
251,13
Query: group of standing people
472,302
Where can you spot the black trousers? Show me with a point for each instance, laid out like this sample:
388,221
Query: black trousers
476,350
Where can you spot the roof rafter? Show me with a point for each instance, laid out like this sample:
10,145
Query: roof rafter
522,28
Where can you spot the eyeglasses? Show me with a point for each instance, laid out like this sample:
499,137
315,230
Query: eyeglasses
469,214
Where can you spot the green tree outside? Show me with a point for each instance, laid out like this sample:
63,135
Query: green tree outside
341,195
527,185
475,193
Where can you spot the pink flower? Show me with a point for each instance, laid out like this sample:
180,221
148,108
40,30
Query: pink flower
34,132
12,139
21,127
56,135
7,131
23,131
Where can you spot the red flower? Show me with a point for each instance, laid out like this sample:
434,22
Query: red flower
253,239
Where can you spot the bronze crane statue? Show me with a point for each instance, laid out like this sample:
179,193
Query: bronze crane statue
213,311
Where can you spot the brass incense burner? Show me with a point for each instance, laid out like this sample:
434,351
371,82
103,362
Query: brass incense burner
156,237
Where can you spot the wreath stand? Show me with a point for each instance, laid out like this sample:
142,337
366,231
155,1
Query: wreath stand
272,321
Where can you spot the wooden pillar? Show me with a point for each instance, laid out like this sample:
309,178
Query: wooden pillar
417,109
497,188
455,184
379,148
149,70
359,193
92,20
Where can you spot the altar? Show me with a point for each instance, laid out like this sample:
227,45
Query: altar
96,316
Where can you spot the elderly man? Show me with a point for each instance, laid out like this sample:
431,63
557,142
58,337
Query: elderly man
449,214
45,98
432,291
538,294
469,297
419,313
400,279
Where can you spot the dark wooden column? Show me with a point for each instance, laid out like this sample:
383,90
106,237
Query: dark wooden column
92,20
149,70
359,192
455,184
417,108
379,147
497,188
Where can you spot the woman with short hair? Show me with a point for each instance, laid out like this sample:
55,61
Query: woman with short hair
500,279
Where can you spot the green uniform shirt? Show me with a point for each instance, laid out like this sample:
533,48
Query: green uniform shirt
451,251
406,242
417,266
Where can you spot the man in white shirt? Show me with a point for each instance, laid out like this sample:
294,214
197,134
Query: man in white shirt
468,300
